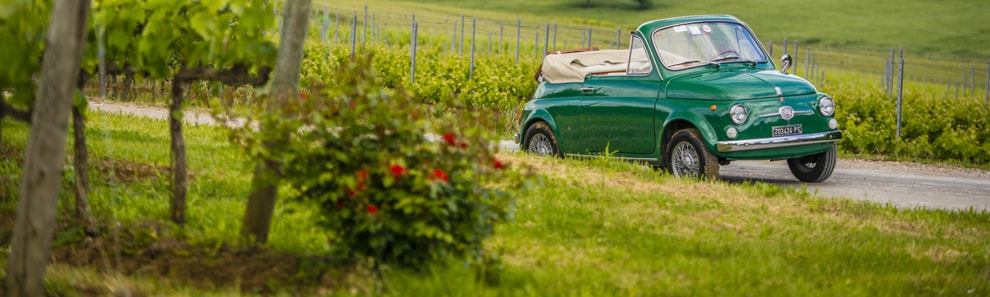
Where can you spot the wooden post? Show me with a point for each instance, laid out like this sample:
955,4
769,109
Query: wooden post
178,146
34,226
285,85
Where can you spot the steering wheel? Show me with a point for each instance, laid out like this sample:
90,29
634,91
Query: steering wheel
725,52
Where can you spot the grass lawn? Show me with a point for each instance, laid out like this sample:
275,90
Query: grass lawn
593,228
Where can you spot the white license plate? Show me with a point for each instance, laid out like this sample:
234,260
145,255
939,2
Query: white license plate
786,130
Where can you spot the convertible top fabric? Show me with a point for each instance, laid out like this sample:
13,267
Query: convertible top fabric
572,67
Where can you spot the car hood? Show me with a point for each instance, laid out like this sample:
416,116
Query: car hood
733,84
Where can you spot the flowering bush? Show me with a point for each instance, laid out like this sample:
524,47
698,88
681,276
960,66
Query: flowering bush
392,181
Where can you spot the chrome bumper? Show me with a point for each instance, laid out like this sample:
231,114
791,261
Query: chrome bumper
777,142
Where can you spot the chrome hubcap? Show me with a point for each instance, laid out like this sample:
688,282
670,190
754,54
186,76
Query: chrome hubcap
540,145
684,161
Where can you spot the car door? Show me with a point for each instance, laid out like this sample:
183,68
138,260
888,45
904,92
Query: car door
617,111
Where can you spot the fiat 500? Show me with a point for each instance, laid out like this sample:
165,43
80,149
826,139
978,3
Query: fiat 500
690,94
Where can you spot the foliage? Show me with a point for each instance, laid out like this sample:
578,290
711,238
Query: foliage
161,36
390,183
497,85
22,33
933,128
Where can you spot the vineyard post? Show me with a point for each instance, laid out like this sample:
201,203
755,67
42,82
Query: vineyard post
796,57
336,28
101,56
34,225
807,63
893,66
965,83
462,37
536,44
785,45
546,41
589,36
323,28
474,23
886,76
415,38
957,90
986,90
972,84
263,191
374,28
453,39
583,40
554,47
364,38
900,92
519,40
771,49
501,31
618,38
354,36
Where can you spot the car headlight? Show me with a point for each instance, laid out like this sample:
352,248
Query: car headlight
826,106
738,114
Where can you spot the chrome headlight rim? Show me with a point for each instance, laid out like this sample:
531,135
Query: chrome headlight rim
826,106
738,114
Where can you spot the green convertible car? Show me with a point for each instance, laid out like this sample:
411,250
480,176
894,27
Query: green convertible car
690,94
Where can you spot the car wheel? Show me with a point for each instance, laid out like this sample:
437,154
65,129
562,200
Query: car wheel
540,140
687,156
814,168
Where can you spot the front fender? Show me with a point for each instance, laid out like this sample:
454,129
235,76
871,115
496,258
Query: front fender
537,115
692,118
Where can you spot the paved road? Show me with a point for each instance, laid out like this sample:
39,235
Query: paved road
878,182
903,185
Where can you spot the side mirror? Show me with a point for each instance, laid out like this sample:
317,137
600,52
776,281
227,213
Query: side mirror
785,63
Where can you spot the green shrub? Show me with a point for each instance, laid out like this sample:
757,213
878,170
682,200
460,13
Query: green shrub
392,181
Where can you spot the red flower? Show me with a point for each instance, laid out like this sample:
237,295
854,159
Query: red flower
464,145
303,95
340,204
440,175
498,164
449,138
350,192
353,104
372,209
397,170
362,175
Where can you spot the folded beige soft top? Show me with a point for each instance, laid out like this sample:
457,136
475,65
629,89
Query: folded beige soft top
572,67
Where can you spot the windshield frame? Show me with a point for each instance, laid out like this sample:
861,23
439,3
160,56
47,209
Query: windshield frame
746,42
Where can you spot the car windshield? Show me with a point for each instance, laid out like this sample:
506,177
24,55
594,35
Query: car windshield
696,44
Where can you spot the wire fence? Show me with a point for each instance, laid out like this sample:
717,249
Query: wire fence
468,36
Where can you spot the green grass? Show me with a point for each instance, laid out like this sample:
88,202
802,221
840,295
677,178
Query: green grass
594,228
130,179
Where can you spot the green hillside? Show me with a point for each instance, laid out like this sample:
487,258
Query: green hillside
945,27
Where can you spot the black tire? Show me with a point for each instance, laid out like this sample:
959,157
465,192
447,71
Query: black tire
687,156
814,168
539,139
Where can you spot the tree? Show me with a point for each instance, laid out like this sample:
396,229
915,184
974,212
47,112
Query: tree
35,223
285,85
